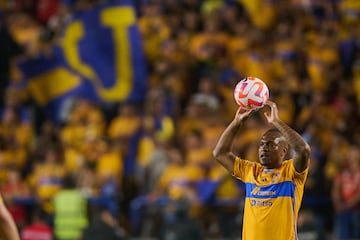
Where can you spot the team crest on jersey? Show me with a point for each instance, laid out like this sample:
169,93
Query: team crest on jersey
275,177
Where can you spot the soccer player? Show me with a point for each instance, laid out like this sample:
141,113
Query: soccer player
275,186
8,229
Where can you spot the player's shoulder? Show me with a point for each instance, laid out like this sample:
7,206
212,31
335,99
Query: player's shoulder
288,166
290,171
287,163
247,162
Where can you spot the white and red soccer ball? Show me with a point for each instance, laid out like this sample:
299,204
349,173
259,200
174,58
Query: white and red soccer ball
251,93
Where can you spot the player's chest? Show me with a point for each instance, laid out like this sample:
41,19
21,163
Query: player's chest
267,177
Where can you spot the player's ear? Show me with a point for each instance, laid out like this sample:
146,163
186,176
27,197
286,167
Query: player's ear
285,150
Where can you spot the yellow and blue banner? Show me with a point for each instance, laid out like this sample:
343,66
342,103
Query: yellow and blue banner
99,56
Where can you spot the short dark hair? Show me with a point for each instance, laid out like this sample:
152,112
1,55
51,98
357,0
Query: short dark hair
274,130
69,182
39,214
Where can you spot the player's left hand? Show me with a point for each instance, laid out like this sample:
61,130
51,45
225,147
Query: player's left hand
274,113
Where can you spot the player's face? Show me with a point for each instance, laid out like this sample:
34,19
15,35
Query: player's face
271,150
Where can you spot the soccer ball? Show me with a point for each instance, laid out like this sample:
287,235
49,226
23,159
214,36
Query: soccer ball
251,93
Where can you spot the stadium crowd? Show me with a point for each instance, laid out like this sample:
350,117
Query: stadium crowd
306,51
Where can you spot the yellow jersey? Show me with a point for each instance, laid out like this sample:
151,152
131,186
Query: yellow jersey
273,199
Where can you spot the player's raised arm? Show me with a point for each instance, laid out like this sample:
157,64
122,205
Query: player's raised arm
298,144
223,149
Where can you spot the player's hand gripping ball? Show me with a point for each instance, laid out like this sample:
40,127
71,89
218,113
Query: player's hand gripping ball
251,93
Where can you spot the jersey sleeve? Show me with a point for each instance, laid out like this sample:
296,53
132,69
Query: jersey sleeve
298,177
242,169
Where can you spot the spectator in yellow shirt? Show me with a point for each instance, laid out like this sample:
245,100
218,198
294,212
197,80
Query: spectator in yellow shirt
126,123
46,178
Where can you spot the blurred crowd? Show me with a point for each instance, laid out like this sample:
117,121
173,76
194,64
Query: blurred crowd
146,169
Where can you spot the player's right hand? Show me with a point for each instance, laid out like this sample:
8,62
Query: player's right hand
242,114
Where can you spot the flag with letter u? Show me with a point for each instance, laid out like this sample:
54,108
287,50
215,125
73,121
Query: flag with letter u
99,55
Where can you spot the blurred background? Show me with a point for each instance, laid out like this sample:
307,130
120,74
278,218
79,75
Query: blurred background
110,110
